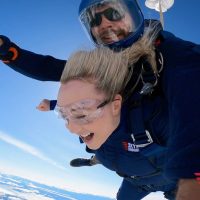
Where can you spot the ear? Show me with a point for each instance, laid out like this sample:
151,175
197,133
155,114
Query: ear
116,104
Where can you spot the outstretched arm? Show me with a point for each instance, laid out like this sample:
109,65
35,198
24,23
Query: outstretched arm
40,67
46,105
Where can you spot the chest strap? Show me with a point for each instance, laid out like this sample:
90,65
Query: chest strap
141,137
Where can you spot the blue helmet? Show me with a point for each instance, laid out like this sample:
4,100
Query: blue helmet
123,22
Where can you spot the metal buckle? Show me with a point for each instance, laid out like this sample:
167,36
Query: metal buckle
149,140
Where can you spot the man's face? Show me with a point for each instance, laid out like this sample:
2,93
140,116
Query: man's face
109,31
79,104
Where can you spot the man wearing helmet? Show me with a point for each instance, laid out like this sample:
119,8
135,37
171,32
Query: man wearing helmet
112,23
106,24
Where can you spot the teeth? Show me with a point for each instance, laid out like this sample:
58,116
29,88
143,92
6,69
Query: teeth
85,135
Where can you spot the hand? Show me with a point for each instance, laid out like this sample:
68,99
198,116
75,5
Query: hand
188,189
44,105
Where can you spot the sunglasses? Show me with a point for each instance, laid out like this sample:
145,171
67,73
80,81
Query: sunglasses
111,14
82,112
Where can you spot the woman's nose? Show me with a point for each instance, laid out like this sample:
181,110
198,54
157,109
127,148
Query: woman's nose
73,127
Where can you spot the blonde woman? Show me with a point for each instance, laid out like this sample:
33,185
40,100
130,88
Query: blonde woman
101,113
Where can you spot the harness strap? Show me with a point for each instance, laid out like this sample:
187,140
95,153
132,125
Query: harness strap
142,137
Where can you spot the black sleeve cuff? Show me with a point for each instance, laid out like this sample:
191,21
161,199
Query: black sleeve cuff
53,104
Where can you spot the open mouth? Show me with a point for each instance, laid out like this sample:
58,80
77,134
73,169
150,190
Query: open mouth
109,36
87,137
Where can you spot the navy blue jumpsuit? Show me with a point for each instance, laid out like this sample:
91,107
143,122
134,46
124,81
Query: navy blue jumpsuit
172,118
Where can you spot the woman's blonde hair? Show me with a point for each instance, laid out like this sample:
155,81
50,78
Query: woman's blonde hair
102,66
110,70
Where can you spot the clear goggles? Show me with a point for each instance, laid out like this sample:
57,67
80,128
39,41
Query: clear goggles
81,112
113,11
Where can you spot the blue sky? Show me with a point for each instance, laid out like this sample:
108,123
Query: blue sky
36,145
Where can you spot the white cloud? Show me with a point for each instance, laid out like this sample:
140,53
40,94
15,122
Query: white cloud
28,149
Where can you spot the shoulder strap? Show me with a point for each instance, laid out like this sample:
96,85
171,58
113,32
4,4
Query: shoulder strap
140,135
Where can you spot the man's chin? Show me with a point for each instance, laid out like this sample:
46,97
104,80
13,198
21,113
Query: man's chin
109,38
